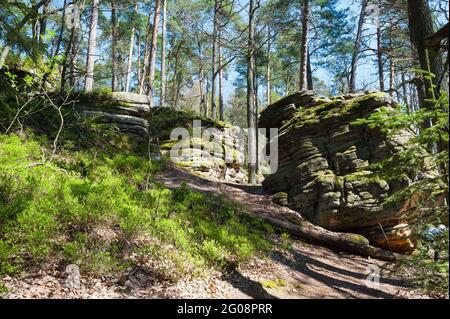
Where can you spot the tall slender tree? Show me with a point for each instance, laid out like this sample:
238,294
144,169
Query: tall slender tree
304,46
146,56
113,46
357,47
251,116
268,70
89,81
153,48
75,33
216,23
162,97
379,53
420,27
131,47
220,69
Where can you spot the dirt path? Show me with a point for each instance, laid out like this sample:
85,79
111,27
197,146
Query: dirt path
302,271
252,196
305,271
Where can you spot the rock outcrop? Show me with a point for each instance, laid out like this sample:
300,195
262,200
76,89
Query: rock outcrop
127,111
130,113
323,160
207,157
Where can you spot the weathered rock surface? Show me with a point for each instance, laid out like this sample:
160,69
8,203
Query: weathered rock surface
219,157
322,161
130,113
127,111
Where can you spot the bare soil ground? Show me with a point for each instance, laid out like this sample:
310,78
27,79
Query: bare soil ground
301,271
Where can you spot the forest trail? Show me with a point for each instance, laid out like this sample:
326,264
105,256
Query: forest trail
306,270
301,270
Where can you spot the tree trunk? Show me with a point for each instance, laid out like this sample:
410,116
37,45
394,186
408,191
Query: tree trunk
201,89
309,73
357,47
74,49
207,96
113,46
201,78
256,102
250,96
304,46
153,48
57,49
421,27
216,23
43,26
138,68
221,106
146,59
391,76
34,25
64,62
175,87
130,50
380,56
89,82
333,240
162,97
268,75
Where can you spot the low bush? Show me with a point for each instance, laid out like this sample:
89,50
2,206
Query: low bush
94,208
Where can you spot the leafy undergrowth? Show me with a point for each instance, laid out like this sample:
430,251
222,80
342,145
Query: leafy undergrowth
99,207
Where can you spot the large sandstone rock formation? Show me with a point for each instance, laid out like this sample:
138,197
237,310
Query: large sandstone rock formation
130,113
322,161
211,159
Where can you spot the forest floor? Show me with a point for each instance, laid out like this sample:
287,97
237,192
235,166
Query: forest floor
300,270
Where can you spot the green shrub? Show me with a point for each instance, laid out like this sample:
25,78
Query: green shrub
36,231
54,210
7,252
